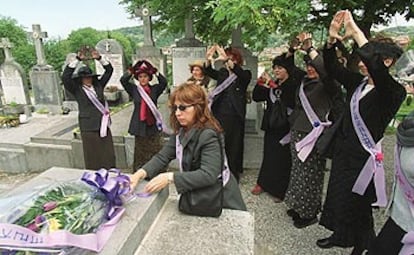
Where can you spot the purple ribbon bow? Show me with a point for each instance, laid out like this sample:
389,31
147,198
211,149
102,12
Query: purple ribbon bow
408,241
112,187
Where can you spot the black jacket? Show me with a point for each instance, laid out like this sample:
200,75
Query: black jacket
137,127
89,116
231,101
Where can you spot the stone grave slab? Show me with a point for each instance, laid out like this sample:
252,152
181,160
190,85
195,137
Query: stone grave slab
175,233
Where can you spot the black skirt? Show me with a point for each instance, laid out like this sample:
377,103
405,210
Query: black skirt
98,151
388,241
275,169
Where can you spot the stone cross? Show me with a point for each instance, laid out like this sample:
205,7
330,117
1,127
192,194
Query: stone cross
145,14
189,33
6,45
107,46
37,36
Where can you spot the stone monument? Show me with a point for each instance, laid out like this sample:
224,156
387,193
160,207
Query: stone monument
187,51
113,51
148,51
45,81
13,80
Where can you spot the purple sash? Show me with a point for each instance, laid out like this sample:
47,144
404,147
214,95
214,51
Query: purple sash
374,167
179,155
305,146
408,189
105,122
220,88
158,117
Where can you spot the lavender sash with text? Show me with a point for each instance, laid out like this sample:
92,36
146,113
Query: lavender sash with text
373,168
179,155
220,88
305,146
158,117
105,122
408,189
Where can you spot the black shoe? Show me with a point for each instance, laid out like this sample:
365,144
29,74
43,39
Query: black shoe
325,243
303,222
293,214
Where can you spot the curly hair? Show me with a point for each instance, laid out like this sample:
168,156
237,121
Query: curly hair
236,55
192,94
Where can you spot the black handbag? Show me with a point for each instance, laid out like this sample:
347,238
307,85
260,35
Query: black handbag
206,201
276,116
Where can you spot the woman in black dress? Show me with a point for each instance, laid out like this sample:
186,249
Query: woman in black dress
275,169
378,96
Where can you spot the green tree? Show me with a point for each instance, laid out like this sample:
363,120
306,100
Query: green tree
84,37
214,20
56,52
366,12
23,51
9,28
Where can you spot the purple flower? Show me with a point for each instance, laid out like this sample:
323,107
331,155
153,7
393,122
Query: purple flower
40,219
33,227
49,206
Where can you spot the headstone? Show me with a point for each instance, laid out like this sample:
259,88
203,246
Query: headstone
45,81
253,110
12,77
113,51
189,39
148,51
181,58
187,51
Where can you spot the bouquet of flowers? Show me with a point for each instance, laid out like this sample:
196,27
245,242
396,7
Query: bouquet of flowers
65,217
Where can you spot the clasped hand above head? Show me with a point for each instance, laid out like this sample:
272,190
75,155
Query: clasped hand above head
221,55
344,19
87,53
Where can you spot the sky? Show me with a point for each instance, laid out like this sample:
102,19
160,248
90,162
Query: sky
58,18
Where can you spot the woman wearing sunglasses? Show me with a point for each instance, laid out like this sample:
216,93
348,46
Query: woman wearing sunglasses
197,134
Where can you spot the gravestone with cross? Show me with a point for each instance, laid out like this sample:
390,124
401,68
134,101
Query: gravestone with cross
12,77
188,50
114,52
189,39
148,51
46,85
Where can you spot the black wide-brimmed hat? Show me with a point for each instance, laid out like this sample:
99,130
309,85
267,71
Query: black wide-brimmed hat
84,72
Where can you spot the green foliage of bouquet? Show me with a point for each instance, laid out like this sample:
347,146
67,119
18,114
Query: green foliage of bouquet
75,207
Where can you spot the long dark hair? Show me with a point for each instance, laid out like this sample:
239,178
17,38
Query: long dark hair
192,94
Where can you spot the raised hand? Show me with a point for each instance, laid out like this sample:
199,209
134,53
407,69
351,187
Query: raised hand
294,43
81,55
353,31
336,25
95,54
210,53
306,40
221,53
